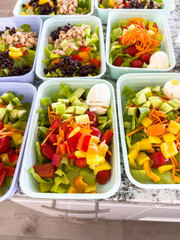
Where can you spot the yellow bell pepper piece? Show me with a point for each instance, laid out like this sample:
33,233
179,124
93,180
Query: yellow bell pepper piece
14,49
102,167
84,56
133,155
94,159
135,146
23,13
155,139
15,54
86,131
145,144
74,131
80,184
92,148
102,149
111,4
4,158
142,158
165,168
94,139
146,122
151,150
147,168
101,6
176,179
168,149
169,137
90,188
80,154
43,2
152,28
173,127
17,138
72,189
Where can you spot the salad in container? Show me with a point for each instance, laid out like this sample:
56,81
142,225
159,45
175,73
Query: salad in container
74,152
152,131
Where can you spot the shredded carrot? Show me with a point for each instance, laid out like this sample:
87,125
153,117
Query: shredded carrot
109,152
133,132
45,140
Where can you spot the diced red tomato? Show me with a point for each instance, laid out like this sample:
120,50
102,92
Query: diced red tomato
56,160
1,165
3,174
131,50
62,148
80,162
93,118
56,123
96,62
84,49
11,152
73,141
10,170
155,25
1,125
126,4
118,61
52,138
71,156
19,45
103,177
107,137
25,53
83,142
46,170
136,64
158,159
145,58
14,158
76,57
96,132
65,127
47,150
4,144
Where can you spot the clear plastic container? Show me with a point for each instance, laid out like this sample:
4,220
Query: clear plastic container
52,24
166,45
28,184
29,92
17,11
169,6
36,26
138,82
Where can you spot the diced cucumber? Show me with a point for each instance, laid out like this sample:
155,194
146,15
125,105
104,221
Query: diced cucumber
147,104
102,119
69,51
46,101
132,111
147,91
105,125
84,105
76,103
6,118
53,56
29,11
14,113
2,113
60,108
82,118
71,109
21,113
139,99
175,104
16,102
65,101
109,113
156,89
79,92
72,97
66,116
156,102
165,107
171,116
6,98
11,94
10,107
64,43
80,110
20,125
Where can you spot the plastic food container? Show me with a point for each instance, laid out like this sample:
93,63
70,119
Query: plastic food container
36,26
169,6
166,45
28,183
29,92
54,23
138,82
17,11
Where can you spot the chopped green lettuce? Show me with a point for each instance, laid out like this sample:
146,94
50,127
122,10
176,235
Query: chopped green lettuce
26,28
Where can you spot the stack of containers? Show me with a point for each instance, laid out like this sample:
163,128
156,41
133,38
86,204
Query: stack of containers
28,184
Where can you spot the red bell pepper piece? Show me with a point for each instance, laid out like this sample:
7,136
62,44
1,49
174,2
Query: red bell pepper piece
71,156
19,45
84,142
56,123
158,159
84,49
107,137
1,165
65,127
10,170
76,57
96,132
81,162
73,141
13,158
126,4
46,170
62,148
47,150
25,53
56,160
1,125
96,62
3,174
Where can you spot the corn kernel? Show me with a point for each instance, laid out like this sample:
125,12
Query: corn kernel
146,122
165,168
169,137
155,139
142,158
168,149
173,127
145,144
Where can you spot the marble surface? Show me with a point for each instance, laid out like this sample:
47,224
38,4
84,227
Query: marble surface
129,193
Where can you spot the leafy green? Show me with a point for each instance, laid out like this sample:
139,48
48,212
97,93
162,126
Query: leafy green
59,180
144,112
42,133
38,178
84,4
65,90
140,176
128,93
138,136
39,156
3,47
26,28
166,177
116,33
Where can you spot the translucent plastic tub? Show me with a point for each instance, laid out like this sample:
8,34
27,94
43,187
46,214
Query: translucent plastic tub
166,44
169,6
17,10
54,23
36,26
138,82
28,183
29,92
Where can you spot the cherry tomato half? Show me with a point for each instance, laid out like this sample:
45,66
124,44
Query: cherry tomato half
103,177
4,144
158,159
47,150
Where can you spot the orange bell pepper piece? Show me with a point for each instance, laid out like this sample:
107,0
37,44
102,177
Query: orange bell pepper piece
156,130
80,184
72,189
55,61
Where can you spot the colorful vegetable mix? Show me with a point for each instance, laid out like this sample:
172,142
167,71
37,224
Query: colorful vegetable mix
129,4
73,51
17,50
56,7
13,120
74,143
152,125
134,43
